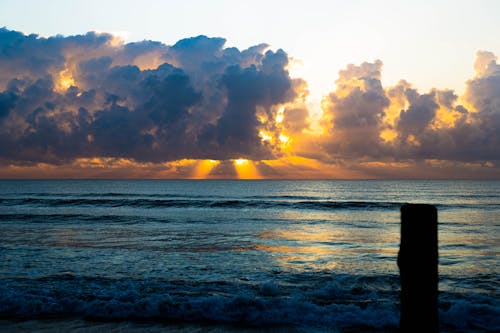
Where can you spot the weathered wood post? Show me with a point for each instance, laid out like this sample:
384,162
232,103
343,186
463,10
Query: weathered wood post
418,268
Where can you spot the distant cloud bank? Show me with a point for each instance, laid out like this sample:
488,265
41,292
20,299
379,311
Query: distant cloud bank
64,99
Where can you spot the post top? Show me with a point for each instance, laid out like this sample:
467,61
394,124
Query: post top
411,207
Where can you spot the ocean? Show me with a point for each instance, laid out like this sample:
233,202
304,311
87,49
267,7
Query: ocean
223,256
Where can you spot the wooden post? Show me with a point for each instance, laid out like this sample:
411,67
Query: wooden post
418,268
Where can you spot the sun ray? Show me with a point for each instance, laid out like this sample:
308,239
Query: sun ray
203,168
246,169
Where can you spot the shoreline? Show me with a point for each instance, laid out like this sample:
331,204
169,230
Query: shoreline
77,324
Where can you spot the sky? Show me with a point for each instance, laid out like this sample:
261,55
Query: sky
430,43
273,89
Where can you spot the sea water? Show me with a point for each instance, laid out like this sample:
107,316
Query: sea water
264,255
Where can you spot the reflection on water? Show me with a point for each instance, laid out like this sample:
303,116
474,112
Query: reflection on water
301,257
322,247
312,235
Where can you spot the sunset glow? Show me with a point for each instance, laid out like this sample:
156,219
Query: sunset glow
249,166
246,169
112,104
65,80
203,168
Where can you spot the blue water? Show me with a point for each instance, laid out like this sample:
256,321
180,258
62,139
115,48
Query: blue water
307,255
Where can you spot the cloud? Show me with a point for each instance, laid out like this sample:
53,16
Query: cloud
247,89
93,101
353,113
296,119
366,122
63,98
7,103
417,118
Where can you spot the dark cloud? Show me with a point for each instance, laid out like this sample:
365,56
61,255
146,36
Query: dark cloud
248,88
419,115
69,98
7,103
22,55
63,98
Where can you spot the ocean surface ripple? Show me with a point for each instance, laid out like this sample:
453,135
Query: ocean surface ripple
301,255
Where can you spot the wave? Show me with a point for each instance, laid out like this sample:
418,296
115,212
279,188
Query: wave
350,302
77,218
199,203
114,195
214,202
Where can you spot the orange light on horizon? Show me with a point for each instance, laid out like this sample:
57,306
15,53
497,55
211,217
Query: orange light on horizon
246,169
240,161
203,168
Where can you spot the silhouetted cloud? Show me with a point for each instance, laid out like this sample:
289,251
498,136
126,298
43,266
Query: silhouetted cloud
246,90
89,95
67,100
